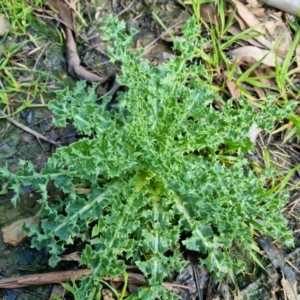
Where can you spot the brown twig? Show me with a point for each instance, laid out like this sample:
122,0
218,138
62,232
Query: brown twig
41,279
65,276
27,129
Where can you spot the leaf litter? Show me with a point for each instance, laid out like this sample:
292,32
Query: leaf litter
267,48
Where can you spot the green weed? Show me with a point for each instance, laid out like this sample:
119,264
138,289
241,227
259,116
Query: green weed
154,168
23,84
220,68
19,14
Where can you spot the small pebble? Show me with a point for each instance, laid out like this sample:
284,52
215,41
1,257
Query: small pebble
4,25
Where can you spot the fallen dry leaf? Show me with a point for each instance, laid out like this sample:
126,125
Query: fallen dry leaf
225,291
208,14
74,256
245,16
272,23
298,56
57,290
248,17
281,36
267,57
66,14
235,30
258,12
290,289
260,92
248,62
241,22
254,3
74,67
73,60
234,91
